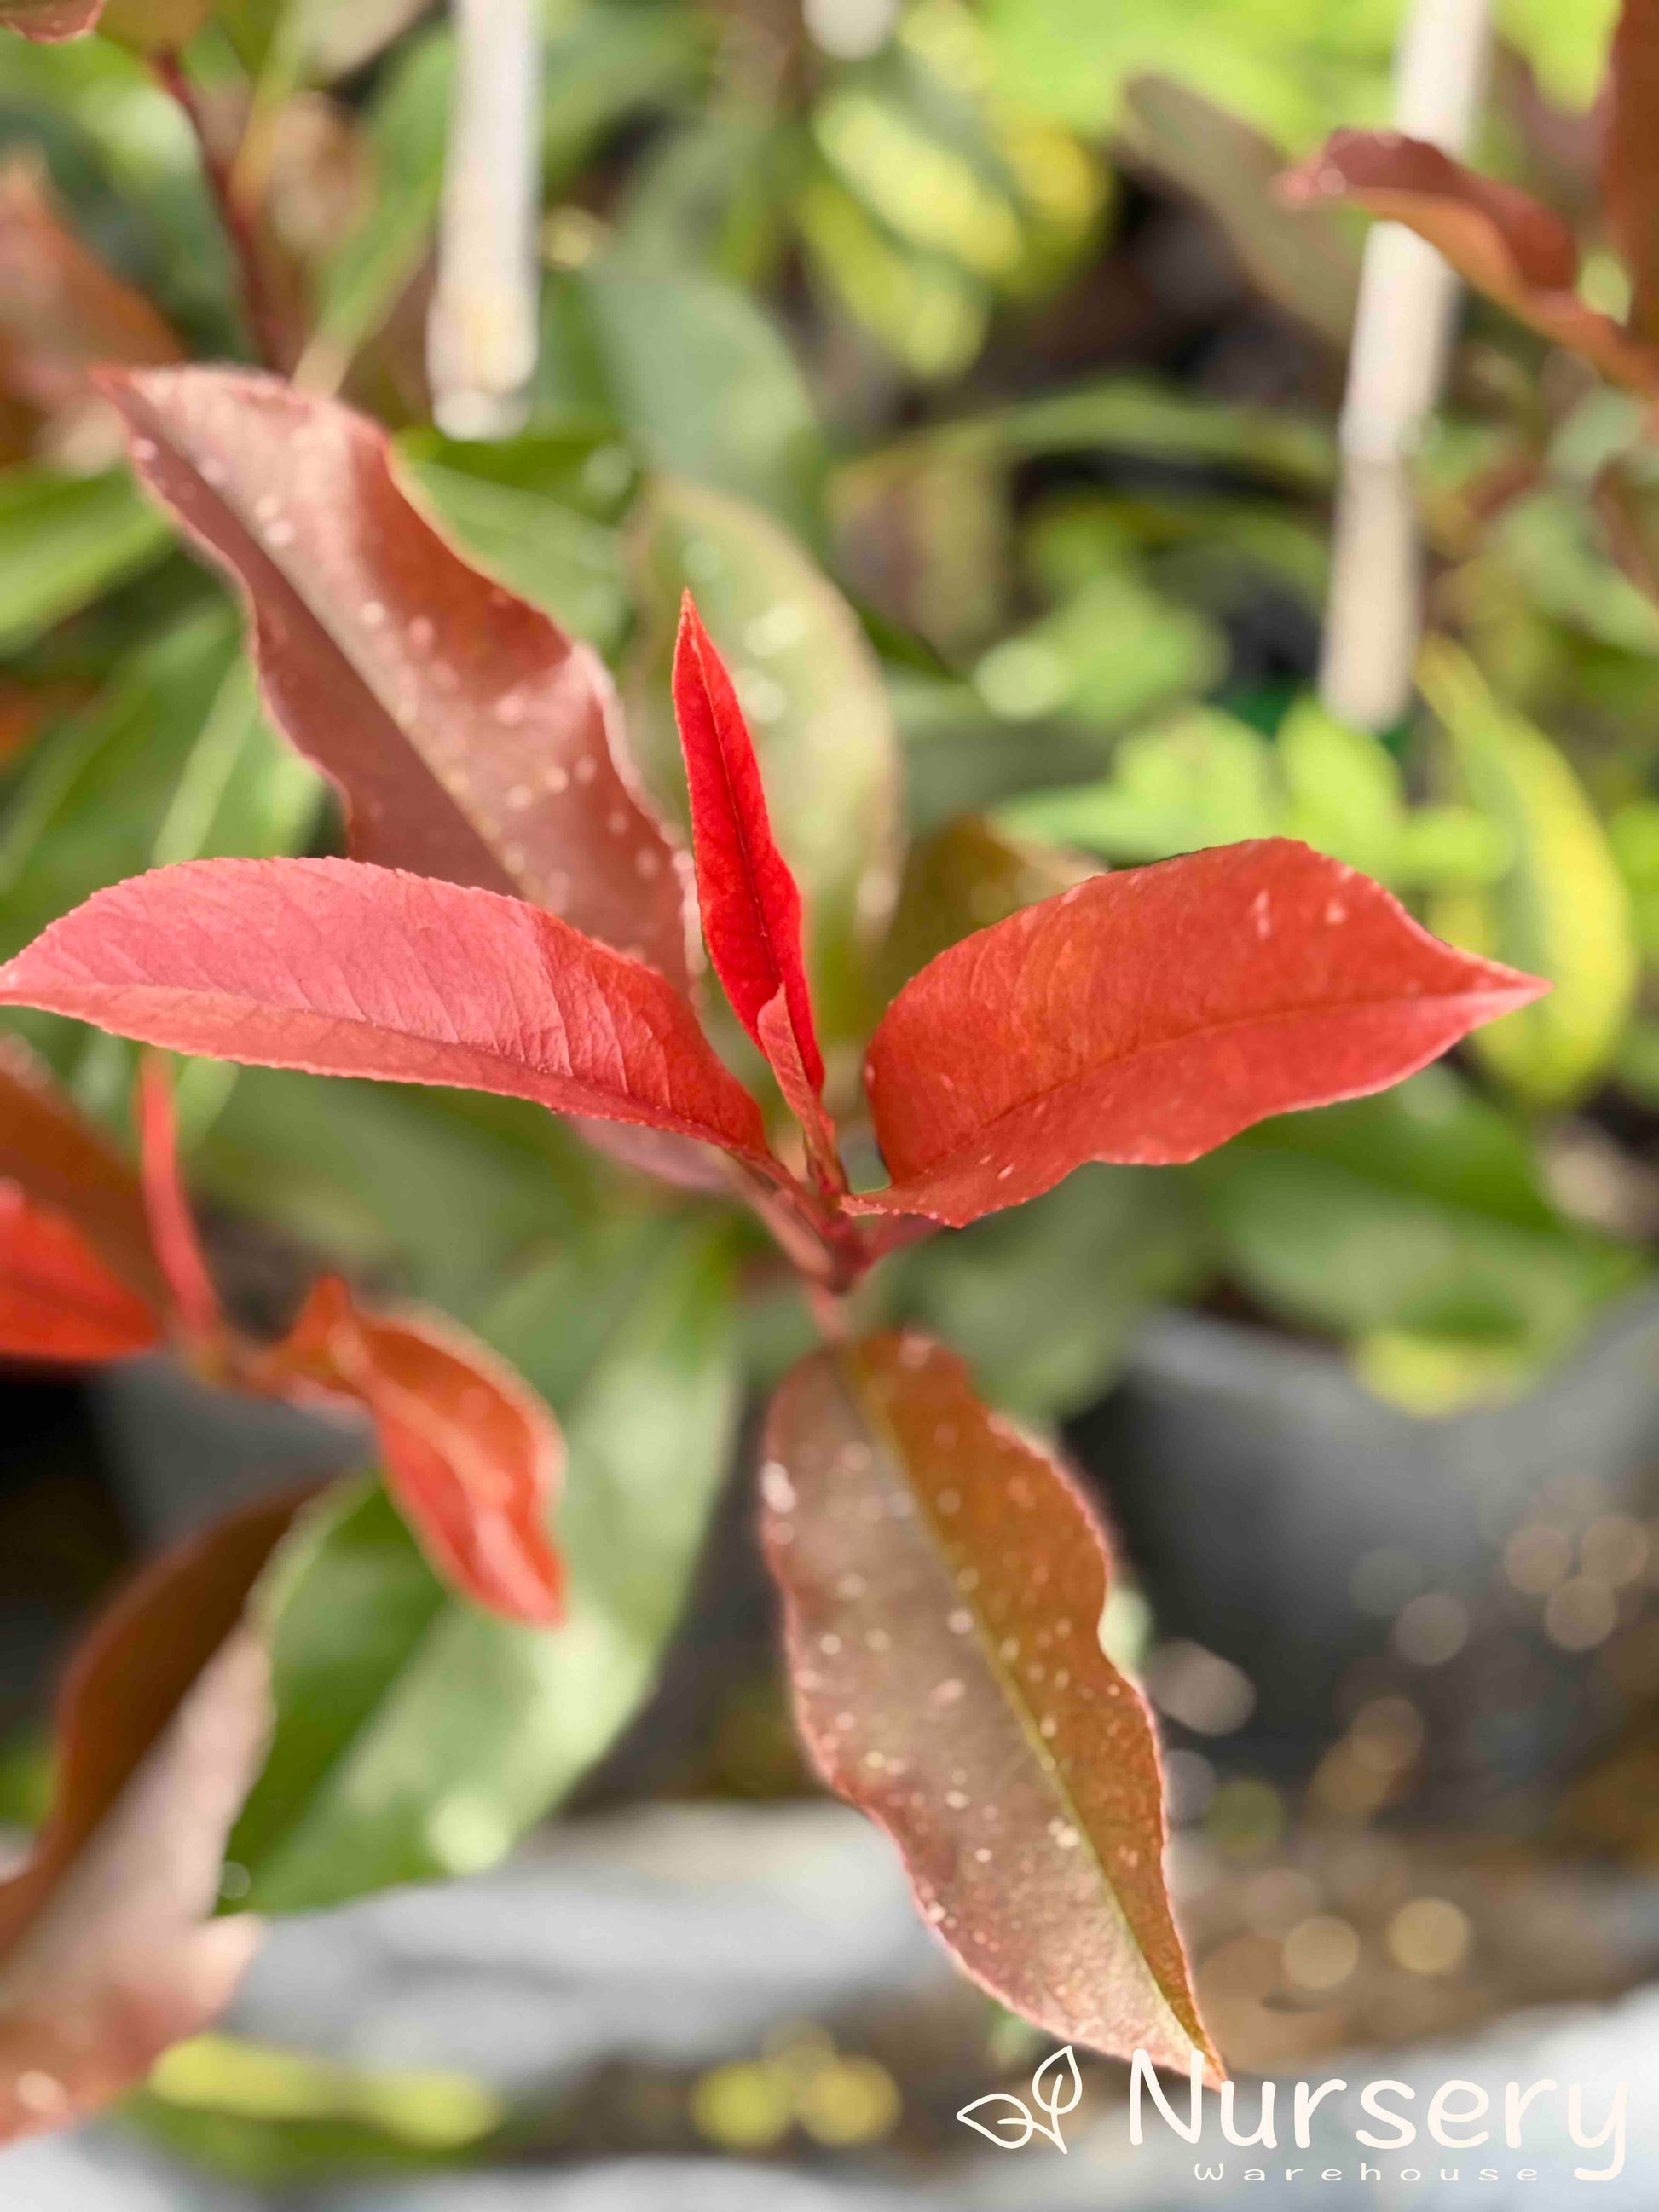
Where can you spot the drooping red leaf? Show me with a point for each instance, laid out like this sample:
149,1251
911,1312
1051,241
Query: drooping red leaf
61,310
49,20
57,1300
171,1223
1504,242
61,1164
750,902
162,1724
1630,157
943,1583
471,1457
1147,1016
341,968
471,739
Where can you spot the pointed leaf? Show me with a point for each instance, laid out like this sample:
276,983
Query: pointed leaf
1630,157
1505,243
57,1300
171,1223
750,902
345,969
471,739
160,1728
1010,2128
1149,1016
60,1162
943,1583
471,1456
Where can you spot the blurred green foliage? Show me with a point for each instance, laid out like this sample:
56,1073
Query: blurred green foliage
959,358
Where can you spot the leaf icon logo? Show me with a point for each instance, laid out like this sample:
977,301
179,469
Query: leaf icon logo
1010,2122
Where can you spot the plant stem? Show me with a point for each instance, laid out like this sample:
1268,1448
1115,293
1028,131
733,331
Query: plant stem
265,324
1402,331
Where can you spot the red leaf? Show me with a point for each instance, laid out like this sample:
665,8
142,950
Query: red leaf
471,1456
1507,244
471,739
49,19
345,969
1147,1016
57,1300
943,1583
63,1163
160,1728
171,1223
750,902
61,310
1630,157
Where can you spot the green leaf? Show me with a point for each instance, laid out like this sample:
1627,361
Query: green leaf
812,691
559,559
1421,1211
417,1737
241,789
1202,779
694,372
1561,909
64,540
406,127
1346,796
1110,653
95,794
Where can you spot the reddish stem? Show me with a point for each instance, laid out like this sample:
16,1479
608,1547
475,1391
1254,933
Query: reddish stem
265,324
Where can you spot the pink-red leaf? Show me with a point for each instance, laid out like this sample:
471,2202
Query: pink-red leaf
1147,1016
63,1163
471,1457
472,740
749,900
171,1223
161,1722
345,970
1630,157
943,1583
57,1300
1505,243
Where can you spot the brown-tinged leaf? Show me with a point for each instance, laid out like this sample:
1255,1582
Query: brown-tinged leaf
50,20
1505,243
471,739
1310,266
60,1162
161,1725
943,1583
61,310
1630,157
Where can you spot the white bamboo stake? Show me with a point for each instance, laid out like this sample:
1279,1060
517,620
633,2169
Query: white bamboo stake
481,330
1402,332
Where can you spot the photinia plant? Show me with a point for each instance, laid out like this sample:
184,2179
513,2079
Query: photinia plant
516,919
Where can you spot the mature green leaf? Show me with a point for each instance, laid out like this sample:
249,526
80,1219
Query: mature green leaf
1422,1211
812,692
64,540
1202,779
696,374
561,561
1562,910
416,1735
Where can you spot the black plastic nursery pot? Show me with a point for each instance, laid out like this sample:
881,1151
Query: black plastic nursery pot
1278,1513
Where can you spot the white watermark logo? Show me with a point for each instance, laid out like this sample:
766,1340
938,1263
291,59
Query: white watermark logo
1010,2123
1453,2120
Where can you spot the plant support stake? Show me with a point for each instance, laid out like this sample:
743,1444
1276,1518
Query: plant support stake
1402,330
481,333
